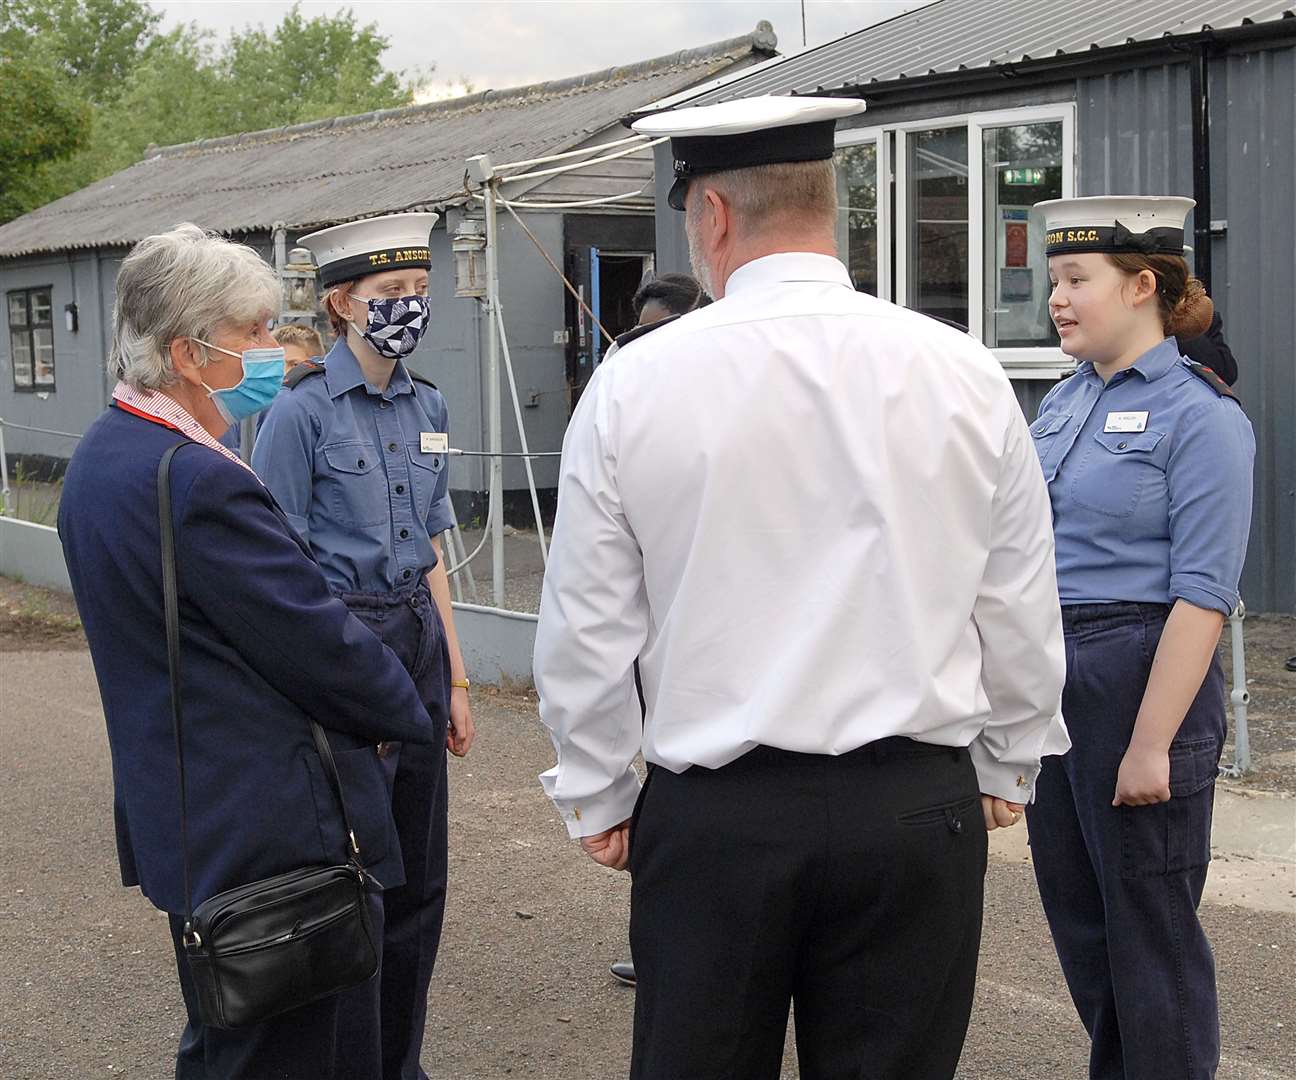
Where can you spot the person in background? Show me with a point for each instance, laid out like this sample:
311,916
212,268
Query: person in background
193,355
355,451
1148,461
301,344
668,294
1211,350
658,300
817,520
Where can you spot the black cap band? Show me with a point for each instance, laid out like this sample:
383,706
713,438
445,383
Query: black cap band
1113,239
698,155
375,262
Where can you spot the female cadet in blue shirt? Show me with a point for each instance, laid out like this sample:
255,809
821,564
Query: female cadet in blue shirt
1148,462
355,453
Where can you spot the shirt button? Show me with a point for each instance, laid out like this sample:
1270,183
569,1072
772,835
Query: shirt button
392,447
1121,446
400,489
404,534
384,404
360,464
406,574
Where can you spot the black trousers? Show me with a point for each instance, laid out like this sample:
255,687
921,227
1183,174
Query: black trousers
848,886
410,625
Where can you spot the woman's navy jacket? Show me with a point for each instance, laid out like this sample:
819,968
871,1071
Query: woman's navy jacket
264,646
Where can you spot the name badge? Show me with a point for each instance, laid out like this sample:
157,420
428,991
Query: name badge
1126,421
438,442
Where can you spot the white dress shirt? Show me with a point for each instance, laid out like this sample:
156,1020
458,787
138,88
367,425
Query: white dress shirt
818,520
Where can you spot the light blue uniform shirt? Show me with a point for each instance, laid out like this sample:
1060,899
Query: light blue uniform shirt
1153,515
347,465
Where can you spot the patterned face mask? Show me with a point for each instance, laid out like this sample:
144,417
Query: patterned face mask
394,326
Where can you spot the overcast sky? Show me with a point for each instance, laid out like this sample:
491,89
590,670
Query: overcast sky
498,43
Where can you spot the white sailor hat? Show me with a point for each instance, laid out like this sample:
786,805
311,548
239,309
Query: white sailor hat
751,131
1147,224
371,246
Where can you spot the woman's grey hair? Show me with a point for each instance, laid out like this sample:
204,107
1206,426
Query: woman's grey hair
185,283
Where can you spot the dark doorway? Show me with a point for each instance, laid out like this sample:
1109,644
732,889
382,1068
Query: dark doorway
606,258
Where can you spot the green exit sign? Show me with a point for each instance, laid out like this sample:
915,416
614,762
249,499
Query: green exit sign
1024,177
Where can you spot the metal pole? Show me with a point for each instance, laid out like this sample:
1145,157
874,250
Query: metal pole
1240,695
496,444
4,477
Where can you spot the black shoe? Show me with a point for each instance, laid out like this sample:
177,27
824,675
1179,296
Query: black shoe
623,972
1291,663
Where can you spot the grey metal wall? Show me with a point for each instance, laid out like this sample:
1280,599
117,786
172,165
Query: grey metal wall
1253,105
453,353
1134,136
80,394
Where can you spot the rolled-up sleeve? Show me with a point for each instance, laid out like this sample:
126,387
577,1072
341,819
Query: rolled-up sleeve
1019,620
1208,477
284,458
593,623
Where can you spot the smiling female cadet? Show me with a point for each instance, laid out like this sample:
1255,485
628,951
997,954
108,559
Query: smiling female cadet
355,453
1148,462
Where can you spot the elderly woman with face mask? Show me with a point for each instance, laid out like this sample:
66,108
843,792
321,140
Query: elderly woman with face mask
355,451
193,354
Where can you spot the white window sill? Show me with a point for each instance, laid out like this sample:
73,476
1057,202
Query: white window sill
1046,363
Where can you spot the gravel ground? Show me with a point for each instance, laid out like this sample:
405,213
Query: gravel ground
521,989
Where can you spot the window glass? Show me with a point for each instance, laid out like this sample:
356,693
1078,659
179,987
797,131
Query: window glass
938,229
44,357
1023,166
857,213
40,307
17,309
20,346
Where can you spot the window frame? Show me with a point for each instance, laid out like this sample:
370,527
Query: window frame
877,136
1038,362
30,329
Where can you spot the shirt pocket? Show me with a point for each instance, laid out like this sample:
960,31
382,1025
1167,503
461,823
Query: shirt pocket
1115,470
1044,434
425,474
356,487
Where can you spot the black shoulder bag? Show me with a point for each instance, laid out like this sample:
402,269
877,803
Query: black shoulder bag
262,949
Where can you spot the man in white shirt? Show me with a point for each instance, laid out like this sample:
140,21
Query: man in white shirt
818,520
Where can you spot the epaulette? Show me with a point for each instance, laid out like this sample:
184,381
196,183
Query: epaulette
302,371
1211,379
416,377
622,340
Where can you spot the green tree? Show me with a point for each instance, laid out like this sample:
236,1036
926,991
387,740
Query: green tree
41,121
306,69
97,43
144,87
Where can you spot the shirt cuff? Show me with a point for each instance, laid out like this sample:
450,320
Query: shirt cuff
440,517
600,811
1203,593
1012,783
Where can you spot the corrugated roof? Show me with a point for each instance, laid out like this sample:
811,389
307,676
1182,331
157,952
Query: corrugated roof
337,170
952,36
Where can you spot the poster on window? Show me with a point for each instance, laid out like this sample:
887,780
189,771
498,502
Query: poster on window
1016,243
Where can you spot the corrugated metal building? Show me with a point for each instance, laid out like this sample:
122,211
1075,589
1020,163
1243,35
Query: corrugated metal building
979,108
58,264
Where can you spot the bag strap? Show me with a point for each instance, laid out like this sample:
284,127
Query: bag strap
171,609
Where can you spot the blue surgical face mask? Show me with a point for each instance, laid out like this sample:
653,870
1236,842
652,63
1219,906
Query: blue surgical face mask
263,373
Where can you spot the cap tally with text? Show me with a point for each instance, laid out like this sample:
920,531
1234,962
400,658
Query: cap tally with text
752,131
371,246
1111,224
